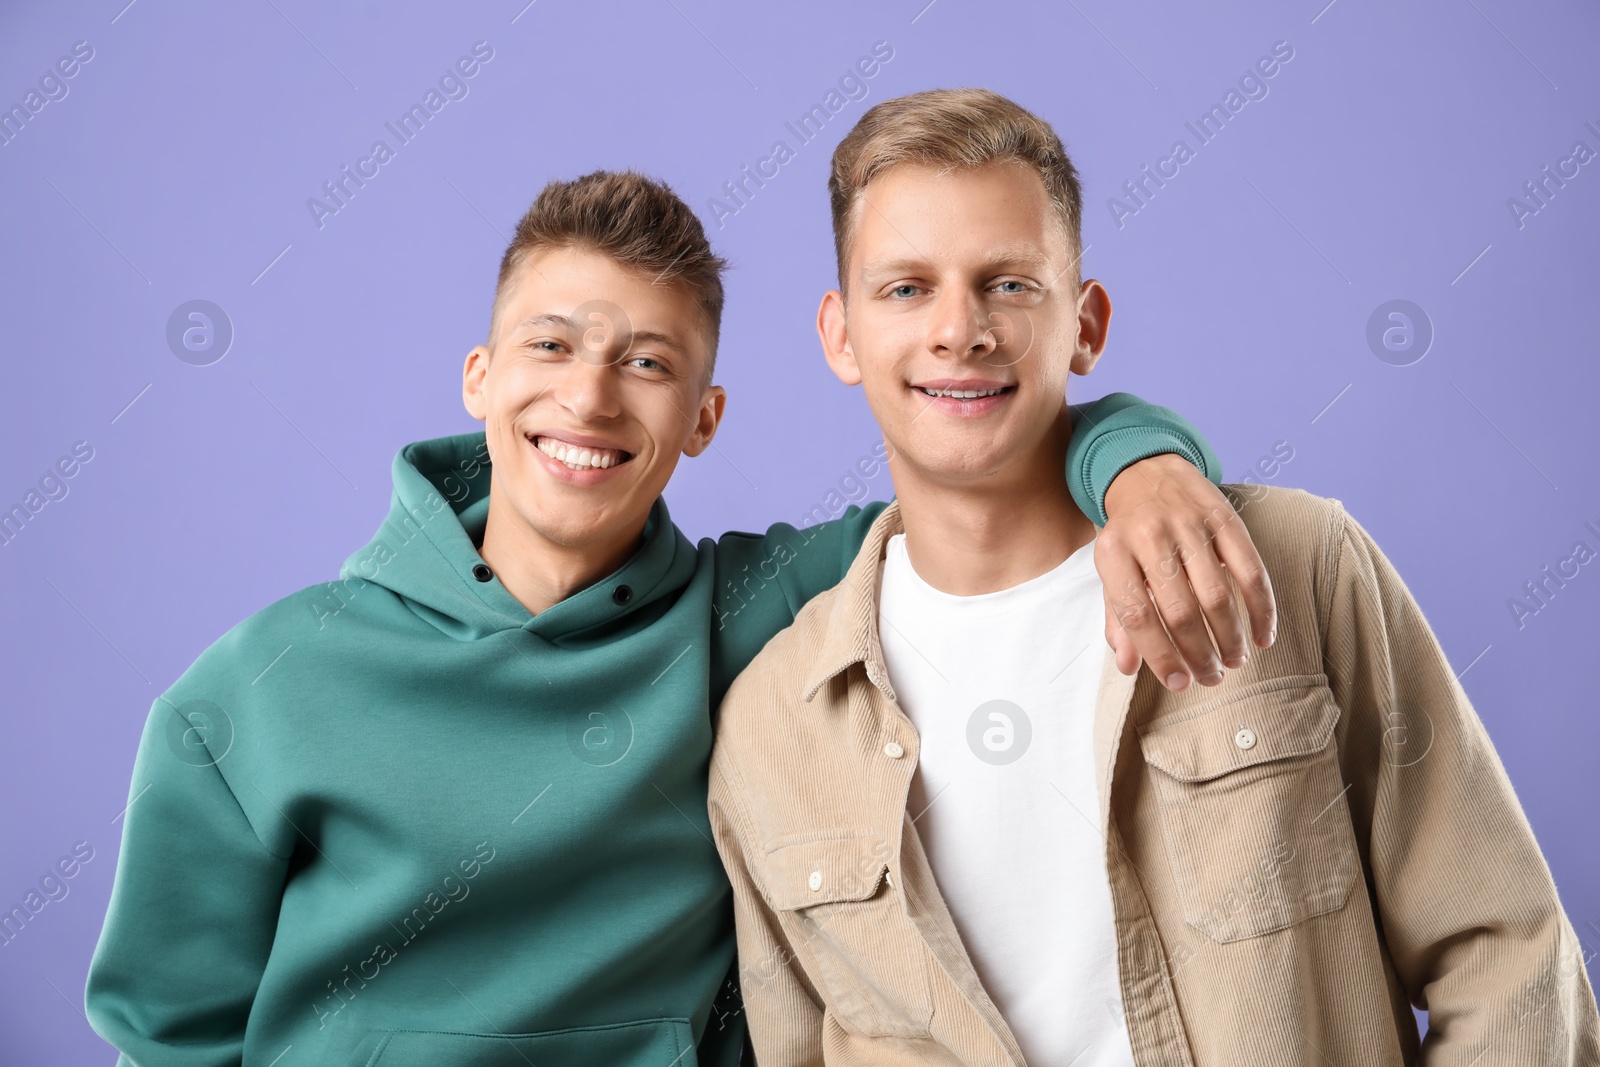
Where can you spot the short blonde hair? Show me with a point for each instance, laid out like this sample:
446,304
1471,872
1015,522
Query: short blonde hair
950,128
637,221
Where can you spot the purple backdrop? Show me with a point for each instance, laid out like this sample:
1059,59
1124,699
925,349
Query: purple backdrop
1384,161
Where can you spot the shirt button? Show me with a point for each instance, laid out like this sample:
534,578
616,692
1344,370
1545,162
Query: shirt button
482,573
893,750
815,881
1245,738
621,595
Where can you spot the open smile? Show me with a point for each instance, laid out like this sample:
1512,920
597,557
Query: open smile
963,394
965,399
581,454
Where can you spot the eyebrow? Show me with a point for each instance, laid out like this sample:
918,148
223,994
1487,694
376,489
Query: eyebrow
892,266
655,337
547,319
1020,255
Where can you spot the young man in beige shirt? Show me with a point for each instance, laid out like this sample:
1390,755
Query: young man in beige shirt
948,847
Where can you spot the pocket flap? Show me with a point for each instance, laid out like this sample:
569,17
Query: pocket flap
1273,720
644,1043
800,874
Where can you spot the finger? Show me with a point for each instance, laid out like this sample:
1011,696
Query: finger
1213,592
1181,612
1127,657
1128,600
1237,551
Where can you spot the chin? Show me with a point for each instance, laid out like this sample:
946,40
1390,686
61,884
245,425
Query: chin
577,528
957,465
564,531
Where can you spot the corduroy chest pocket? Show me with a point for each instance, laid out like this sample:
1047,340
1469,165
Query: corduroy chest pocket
849,928
1253,809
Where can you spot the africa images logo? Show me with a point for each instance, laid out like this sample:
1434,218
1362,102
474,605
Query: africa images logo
999,732
600,738
199,733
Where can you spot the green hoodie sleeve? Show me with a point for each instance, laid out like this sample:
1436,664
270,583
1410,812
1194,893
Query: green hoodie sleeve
1117,431
763,580
199,887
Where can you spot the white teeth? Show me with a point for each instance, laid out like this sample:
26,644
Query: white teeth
964,394
579,458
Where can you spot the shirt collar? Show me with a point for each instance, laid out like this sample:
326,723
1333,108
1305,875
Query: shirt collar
850,636
851,633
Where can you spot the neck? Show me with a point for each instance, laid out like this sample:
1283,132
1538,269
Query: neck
995,531
539,572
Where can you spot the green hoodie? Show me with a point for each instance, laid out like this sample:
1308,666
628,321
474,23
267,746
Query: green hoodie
397,819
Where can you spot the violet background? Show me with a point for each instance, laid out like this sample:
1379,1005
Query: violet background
178,167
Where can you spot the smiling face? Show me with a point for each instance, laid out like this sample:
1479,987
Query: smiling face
592,387
963,319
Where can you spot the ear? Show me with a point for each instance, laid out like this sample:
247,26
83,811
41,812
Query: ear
836,339
1094,323
712,402
472,378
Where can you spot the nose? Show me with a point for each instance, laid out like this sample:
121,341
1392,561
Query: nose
589,390
959,328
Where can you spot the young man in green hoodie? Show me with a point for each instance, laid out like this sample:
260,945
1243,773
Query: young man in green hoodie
451,808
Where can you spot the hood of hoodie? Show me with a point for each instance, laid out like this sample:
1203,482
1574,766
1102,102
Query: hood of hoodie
426,553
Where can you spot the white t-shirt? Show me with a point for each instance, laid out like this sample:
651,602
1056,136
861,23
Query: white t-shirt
1002,688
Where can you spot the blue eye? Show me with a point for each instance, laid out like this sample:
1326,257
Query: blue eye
904,290
1019,287
654,364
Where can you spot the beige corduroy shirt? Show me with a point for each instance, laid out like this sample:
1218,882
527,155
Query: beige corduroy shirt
1295,856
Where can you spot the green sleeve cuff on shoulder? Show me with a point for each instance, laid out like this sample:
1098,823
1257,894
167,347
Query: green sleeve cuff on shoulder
1117,431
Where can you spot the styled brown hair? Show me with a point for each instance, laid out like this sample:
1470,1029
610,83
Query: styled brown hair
637,221
950,128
